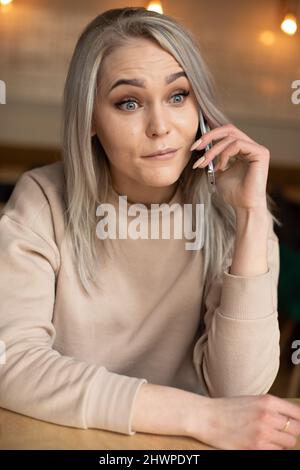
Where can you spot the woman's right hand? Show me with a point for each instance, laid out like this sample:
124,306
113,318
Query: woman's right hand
247,422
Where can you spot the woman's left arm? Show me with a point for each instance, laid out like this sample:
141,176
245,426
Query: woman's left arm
250,246
239,352
243,186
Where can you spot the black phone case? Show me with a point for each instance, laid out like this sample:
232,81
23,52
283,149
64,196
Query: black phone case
198,153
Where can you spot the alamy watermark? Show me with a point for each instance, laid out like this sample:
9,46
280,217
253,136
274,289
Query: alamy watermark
295,98
139,226
296,354
2,352
2,92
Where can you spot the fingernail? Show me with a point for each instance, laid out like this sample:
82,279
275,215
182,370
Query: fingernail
198,162
195,144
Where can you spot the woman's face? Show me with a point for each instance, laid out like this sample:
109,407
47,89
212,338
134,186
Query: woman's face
152,117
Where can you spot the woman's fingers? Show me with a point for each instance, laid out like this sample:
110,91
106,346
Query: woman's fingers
230,147
285,424
288,425
214,151
279,423
248,151
272,447
284,439
228,130
254,422
286,408
285,421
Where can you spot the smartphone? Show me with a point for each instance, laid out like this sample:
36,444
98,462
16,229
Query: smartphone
204,127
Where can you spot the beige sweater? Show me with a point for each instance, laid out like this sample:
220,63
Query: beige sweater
79,361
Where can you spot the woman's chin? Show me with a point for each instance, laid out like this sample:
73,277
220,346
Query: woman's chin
162,178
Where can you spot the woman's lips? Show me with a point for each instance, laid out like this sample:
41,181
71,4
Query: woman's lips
166,156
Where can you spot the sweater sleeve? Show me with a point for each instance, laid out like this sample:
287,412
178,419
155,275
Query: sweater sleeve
35,380
238,352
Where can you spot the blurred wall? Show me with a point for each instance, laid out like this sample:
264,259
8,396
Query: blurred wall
253,80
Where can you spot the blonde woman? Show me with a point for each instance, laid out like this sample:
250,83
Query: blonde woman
135,334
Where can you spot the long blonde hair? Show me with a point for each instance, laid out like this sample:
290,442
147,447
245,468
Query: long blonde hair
85,163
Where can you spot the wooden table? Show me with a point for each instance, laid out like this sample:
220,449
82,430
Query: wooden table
20,432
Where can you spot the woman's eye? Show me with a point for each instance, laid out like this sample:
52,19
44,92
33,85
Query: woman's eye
184,93
131,100
119,105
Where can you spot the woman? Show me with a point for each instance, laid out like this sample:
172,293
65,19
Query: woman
140,334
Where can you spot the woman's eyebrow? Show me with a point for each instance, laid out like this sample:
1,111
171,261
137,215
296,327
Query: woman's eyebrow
141,83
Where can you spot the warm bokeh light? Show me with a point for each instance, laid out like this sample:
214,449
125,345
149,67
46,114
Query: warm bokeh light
5,2
267,38
289,24
155,6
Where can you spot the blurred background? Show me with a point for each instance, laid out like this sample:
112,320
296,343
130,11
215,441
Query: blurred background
252,48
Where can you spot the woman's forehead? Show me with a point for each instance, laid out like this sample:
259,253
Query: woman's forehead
137,56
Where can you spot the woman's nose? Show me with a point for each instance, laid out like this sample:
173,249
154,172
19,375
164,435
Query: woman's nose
158,122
